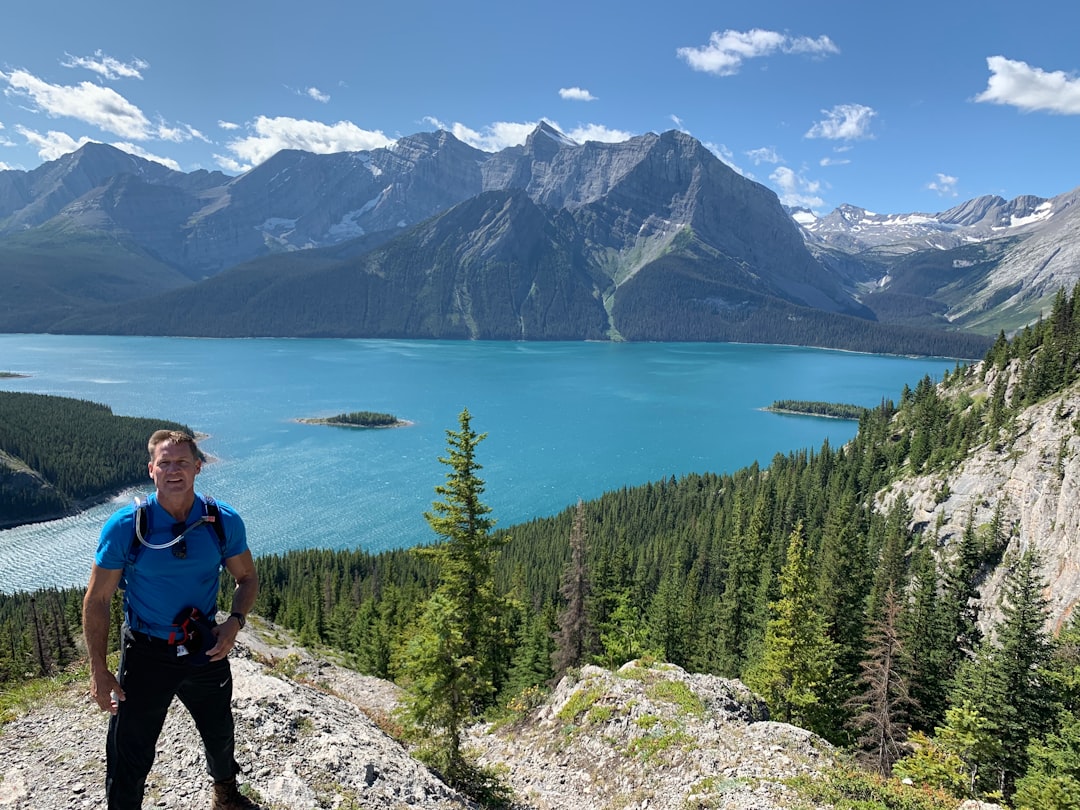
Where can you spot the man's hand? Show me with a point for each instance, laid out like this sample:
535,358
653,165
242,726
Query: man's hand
106,691
225,634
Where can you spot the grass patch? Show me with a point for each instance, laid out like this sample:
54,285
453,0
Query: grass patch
19,697
849,788
678,694
580,703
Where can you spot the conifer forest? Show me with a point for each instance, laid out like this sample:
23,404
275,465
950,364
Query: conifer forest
844,619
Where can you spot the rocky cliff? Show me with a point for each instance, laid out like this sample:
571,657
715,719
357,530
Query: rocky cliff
1034,479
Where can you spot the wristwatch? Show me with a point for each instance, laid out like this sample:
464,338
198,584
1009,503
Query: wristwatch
240,619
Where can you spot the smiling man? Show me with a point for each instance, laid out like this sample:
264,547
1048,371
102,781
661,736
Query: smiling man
166,555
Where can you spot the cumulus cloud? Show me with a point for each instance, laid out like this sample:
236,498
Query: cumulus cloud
944,185
726,51
598,132
1030,88
491,138
317,94
106,66
102,107
796,190
504,134
765,154
271,135
846,122
53,144
576,94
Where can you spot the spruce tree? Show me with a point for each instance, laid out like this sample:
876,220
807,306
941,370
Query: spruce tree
1052,780
449,668
798,657
1006,683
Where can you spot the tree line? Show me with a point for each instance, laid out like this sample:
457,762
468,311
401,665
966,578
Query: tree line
844,618
79,449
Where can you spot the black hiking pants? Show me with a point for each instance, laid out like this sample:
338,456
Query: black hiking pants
151,675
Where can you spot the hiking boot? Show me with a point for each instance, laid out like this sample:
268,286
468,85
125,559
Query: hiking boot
227,796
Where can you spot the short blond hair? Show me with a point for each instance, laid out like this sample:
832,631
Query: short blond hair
159,437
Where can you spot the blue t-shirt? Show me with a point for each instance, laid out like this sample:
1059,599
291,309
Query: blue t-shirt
158,585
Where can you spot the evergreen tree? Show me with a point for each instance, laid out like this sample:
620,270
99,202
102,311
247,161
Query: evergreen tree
1006,682
797,659
1052,780
929,636
449,668
573,641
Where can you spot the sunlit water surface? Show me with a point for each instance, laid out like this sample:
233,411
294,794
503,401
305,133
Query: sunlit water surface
564,421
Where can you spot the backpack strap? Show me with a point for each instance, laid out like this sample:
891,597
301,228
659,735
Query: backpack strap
211,515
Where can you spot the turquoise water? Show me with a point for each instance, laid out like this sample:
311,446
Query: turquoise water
564,421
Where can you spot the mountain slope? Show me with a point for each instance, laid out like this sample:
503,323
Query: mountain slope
986,265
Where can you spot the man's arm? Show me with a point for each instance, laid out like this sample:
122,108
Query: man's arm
96,617
242,568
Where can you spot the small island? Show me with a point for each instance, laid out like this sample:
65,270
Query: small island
830,410
11,374
358,419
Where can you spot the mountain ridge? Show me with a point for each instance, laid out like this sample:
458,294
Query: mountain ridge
640,207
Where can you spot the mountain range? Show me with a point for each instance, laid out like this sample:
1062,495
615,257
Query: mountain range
653,238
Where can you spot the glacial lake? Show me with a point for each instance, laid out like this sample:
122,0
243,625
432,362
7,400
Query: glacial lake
563,421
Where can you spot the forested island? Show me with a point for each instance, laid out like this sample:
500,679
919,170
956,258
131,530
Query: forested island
11,374
832,410
358,419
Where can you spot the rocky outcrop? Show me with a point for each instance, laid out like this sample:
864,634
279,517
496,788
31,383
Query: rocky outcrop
310,735
651,735
1034,480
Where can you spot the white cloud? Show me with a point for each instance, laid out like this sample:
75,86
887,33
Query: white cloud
726,52
831,161
795,190
576,94
229,164
228,125
53,144
5,167
138,151
765,154
106,66
271,135
598,132
102,107
504,134
1031,88
495,136
678,123
944,185
844,122
317,94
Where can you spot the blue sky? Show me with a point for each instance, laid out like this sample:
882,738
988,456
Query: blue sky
895,107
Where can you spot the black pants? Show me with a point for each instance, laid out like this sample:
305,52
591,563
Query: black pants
151,675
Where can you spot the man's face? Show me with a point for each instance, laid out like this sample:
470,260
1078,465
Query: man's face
173,468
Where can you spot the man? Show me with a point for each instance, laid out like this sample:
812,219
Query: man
168,563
